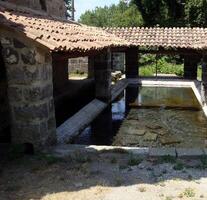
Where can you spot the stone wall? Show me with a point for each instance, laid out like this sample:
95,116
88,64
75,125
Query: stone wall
52,7
4,106
30,91
118,61
77,65
60,73
81,64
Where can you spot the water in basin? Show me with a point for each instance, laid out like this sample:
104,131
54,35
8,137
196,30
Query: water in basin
150,117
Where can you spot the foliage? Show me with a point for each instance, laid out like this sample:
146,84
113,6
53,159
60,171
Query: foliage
195,13
121,15
165,65
68,4
148,13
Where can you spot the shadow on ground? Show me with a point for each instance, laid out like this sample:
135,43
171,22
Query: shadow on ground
96,175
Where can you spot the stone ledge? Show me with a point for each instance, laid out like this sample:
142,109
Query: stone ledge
159,152
189,152
64,150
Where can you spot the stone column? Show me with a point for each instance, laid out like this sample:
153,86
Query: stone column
190,66
30,92
131,96
102,72
204,78
91,67
102,128
60,71
132,67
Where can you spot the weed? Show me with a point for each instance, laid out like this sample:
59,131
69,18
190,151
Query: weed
203,160
121,167
49,159
81,158
167,159
189,192
134,160
142,189
178,166
116,150
180,195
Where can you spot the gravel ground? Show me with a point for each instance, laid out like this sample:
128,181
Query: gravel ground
102,176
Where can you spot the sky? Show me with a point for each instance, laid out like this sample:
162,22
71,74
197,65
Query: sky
82,5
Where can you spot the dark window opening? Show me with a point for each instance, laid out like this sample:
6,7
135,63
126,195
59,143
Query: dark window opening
43,5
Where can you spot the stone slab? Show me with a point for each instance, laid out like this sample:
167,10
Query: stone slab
159,152
189,152
74,125
65,150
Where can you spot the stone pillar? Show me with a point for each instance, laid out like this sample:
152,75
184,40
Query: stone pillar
102,72
132,67
60,71
102,128
91,67
204,78
30,92
131,95
190,66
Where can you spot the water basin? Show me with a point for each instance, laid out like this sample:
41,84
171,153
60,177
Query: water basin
150,117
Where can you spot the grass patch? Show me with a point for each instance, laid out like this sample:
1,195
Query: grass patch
116,150
189,192
81,158
166,159
178,166
134,160
203,160
49,159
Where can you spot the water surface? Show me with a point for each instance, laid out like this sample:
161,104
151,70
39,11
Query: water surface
150,117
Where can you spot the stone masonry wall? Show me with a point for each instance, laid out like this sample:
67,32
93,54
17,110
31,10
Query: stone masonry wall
52,7
30,92
78,65
81,64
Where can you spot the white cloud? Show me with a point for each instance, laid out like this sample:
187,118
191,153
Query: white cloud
82,5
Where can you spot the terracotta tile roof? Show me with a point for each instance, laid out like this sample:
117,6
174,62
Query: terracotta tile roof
57,34
189,38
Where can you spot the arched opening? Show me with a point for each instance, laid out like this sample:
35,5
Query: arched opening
43,5
5,135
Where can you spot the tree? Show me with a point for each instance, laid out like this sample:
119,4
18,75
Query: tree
122,15
68,4
162,12
195,13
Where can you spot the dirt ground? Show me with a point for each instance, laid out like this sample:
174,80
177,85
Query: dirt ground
102,176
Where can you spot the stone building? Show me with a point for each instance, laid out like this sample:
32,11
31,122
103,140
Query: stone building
55,8
34,66
35,44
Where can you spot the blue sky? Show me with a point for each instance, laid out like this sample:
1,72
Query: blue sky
82,5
